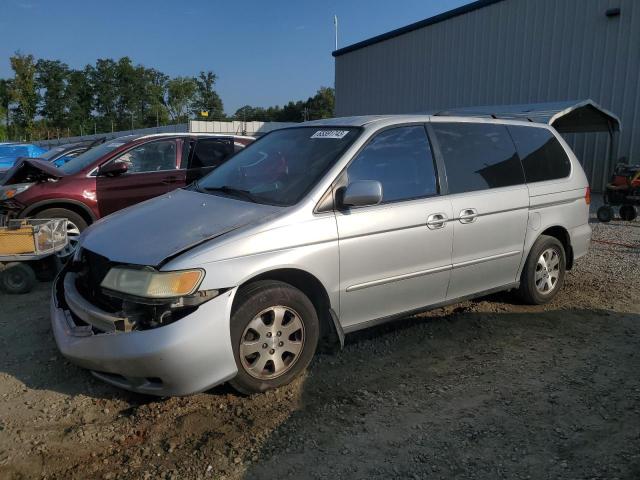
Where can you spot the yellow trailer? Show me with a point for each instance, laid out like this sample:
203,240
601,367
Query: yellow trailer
26,244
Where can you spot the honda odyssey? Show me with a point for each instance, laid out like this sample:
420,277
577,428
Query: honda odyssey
317,231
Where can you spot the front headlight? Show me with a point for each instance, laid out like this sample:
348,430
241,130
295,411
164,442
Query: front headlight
149,283
11,191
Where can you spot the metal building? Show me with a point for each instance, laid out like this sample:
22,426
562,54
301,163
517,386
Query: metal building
500,52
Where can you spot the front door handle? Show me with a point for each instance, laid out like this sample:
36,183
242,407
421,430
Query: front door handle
468,215
436,220
170,180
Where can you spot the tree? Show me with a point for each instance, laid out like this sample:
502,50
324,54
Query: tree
128,88
207,99
322,104
51,79
247,113
24,92
319,106
292,112
78,98
5,99
105,88
155,87
181,93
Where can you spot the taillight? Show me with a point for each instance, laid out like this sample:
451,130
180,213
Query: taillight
587,196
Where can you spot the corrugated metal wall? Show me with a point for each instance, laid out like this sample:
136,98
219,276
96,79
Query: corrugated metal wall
514,51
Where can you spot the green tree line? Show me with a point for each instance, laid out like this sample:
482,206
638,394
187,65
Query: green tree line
47,99
319,106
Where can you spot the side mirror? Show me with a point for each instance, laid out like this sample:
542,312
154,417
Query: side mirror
112,169
361,193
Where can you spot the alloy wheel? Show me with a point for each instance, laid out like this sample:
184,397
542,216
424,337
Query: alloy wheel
547,271
73,235
272,342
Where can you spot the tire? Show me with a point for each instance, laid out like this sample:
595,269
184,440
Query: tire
263,355
605,214
17,278
538,286
628,213
75,226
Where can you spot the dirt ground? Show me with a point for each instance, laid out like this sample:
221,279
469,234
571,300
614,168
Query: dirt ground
482,390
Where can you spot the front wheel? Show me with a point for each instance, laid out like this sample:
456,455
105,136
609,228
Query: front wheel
274,333
543,274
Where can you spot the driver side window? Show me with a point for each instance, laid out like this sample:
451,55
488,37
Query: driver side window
150,157
400,159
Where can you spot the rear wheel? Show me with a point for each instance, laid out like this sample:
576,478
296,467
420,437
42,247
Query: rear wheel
17,278
75,226
274,333
628,213
543,274
605,214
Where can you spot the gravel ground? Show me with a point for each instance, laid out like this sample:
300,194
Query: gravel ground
485,389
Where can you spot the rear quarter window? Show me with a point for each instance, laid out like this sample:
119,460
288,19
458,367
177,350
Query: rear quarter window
211,152
542,156
478,156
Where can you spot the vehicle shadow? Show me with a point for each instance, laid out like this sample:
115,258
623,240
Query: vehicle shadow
483,389
469,395
31,356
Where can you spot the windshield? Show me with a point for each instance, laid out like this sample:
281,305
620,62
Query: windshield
281,167
87,158
54,152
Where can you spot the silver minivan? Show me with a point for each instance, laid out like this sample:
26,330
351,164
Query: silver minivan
313,232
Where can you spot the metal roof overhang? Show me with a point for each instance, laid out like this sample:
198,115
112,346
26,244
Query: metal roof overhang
571,116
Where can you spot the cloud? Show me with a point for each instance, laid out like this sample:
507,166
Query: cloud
23,4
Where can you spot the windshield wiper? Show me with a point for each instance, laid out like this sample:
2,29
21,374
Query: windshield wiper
246,194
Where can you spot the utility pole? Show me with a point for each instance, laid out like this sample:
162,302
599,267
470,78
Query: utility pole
131,122
95,129
335,26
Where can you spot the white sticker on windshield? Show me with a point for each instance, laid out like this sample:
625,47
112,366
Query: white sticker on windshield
330,134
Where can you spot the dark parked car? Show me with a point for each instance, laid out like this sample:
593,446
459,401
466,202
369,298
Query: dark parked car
61,154
111,176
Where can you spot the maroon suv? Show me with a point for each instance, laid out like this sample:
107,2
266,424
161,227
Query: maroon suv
111,176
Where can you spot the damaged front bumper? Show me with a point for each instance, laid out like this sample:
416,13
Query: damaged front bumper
190,355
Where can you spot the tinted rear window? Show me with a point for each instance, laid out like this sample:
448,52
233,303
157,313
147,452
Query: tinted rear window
543,158
478,156
211,153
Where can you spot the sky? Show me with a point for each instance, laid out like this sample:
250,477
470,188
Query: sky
264,52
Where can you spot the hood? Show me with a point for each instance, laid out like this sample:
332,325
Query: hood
27,169
153,231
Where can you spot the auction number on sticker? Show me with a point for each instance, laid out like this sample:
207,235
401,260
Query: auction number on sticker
330,134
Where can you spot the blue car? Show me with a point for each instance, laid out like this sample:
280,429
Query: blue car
10,152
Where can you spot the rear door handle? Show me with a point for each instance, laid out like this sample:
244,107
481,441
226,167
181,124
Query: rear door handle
468,215
436,220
